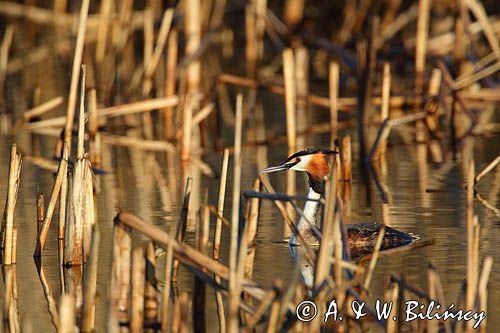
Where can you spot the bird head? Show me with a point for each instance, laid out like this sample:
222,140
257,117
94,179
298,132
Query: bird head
312,161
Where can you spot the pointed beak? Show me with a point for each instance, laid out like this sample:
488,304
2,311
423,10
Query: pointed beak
282,167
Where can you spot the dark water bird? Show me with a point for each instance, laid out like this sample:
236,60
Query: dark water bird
361,238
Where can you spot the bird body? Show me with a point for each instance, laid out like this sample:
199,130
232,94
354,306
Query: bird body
361,238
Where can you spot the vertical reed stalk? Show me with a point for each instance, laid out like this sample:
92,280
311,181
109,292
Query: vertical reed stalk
291,125
90,285
333,84
150,301
386,96
166,288
12,189
293,12
94,135
102,29
120,276
170,77
346,157
77,60
235,215
393,297
67,314
137,305
420,51
217,238
470,295
63,200
181,224
40,212
253,223
302,88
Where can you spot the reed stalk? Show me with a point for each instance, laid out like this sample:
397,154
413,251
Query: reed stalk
12,190
94,135
137,293
87,322
77,61
333,84
346,155
111,112
291,125
67,314
386,95
166,289
234,283
40,212
61,171
120,276
150,301
170,84
217,237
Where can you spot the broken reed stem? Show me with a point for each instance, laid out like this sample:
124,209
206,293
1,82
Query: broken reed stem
67,313
166,288
291,125
120,275
61,171
77,60
234,285
40,212
170,77
12,190
334,95
217,237
89,285
386,96
137,296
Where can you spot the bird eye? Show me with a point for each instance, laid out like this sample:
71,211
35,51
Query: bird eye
297,160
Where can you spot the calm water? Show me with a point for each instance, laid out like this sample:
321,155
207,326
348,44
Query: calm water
130,185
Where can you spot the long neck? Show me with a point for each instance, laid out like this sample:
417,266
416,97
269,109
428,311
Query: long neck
308,218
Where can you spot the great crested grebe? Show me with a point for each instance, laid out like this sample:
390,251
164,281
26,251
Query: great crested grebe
361,238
